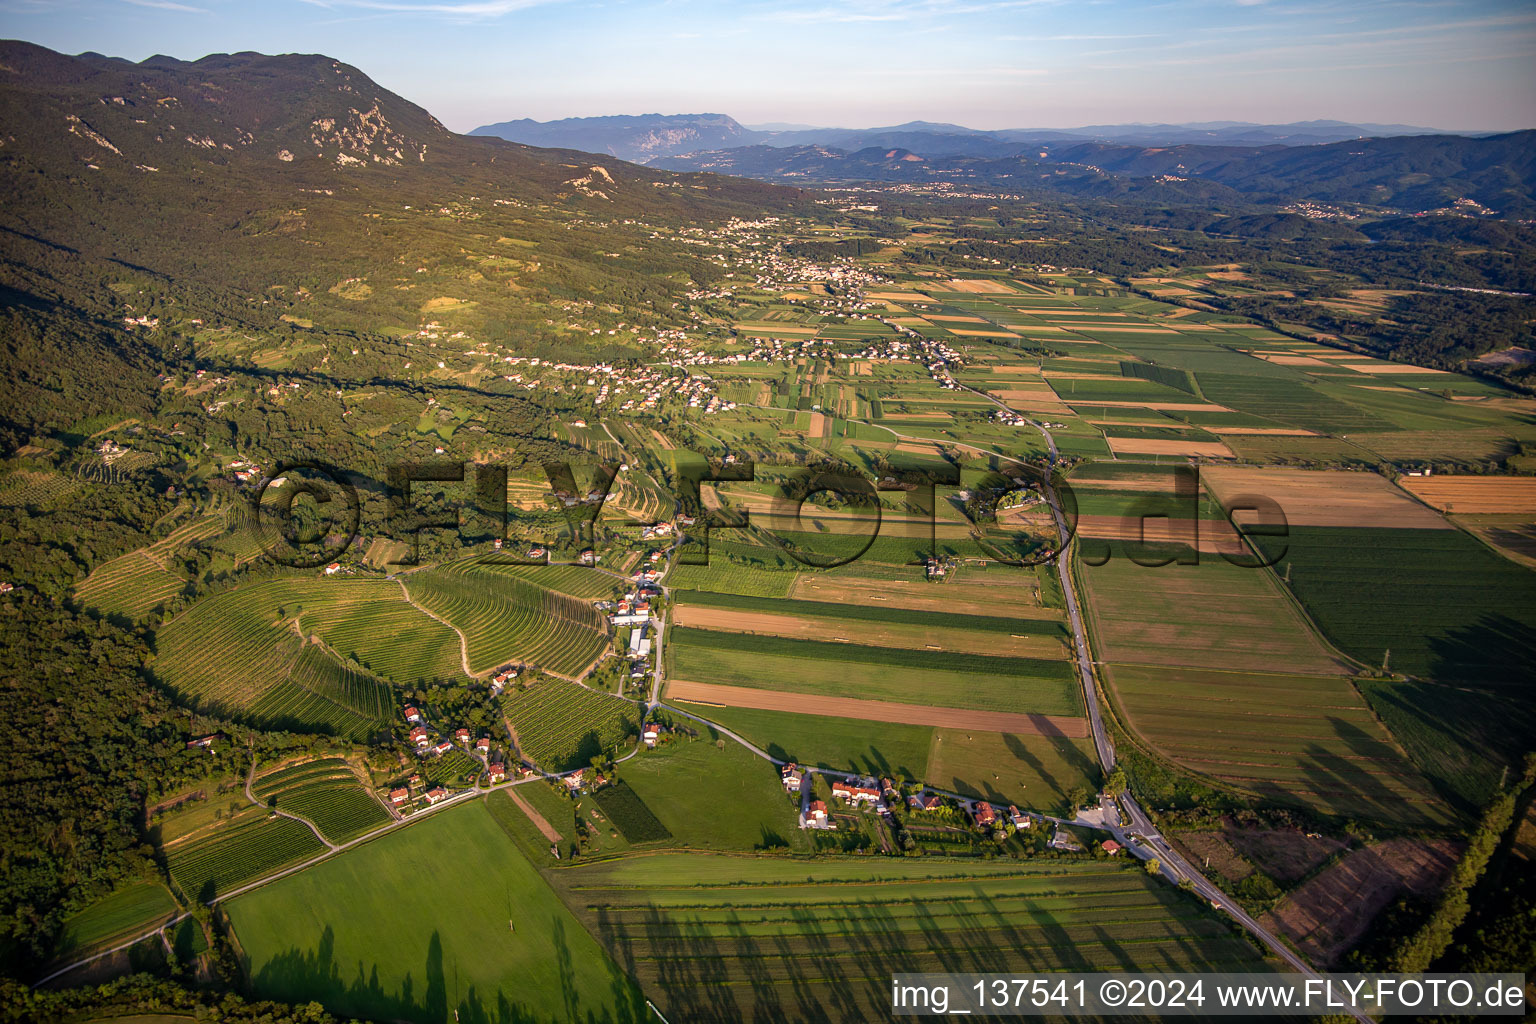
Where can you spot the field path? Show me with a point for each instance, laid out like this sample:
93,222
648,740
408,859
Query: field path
250,777
463,640
534,816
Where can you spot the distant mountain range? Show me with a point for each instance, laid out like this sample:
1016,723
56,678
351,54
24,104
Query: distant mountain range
1411,174
644,138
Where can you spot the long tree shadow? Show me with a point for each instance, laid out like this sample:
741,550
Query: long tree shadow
300,976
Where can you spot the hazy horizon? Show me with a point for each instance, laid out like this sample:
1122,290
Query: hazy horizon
1465,65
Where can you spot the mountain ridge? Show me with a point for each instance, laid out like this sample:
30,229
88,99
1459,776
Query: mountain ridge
644,138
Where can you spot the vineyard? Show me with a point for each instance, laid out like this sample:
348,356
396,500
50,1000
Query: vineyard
241,850
504,618
328,794
629,814
562,725
730,938
385,634
135,584
237,653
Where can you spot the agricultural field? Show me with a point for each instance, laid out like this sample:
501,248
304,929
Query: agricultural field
240,652
629,813
679,923
712,795
992,636
238,850
129,911
505,617
862,672
1430,603
440,920
1311,740
326,792
561,725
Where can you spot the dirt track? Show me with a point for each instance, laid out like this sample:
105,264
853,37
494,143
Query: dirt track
534,816
878,710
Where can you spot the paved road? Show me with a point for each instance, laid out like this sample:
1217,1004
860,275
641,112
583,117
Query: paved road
1151,842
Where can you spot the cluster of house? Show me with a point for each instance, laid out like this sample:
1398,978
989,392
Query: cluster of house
634,608
987,816
402,795
245,472
1009,418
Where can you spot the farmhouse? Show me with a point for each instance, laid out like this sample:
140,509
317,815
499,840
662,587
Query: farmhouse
651,735
419,736
461,735
436,795
856,794
399,796
926,802
205,742
442,748
984,813
483,744
413,715
817,815
1018,817
573,780
792,777
1111,847
497,773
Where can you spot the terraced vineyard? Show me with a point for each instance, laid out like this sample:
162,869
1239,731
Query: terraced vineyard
236,652
562,725
238,851
320,691
505,618
135,584
327,793
730,938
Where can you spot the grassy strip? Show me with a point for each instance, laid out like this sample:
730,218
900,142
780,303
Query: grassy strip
874,613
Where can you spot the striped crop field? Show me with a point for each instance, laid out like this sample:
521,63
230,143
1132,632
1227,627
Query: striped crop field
561,725
1311,740
848,669
238,652
327,793
505,618
720,938
135,584
874,625
239,850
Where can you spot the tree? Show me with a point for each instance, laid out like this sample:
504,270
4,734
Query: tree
1153,866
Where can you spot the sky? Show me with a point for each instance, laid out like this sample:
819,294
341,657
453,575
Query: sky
1455,64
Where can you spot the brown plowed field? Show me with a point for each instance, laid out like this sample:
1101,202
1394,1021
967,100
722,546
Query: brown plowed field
1508,495
1325,497
1328,914
879,710
1154,446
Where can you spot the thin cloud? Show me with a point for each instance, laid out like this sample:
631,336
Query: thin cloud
169,5
474,9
